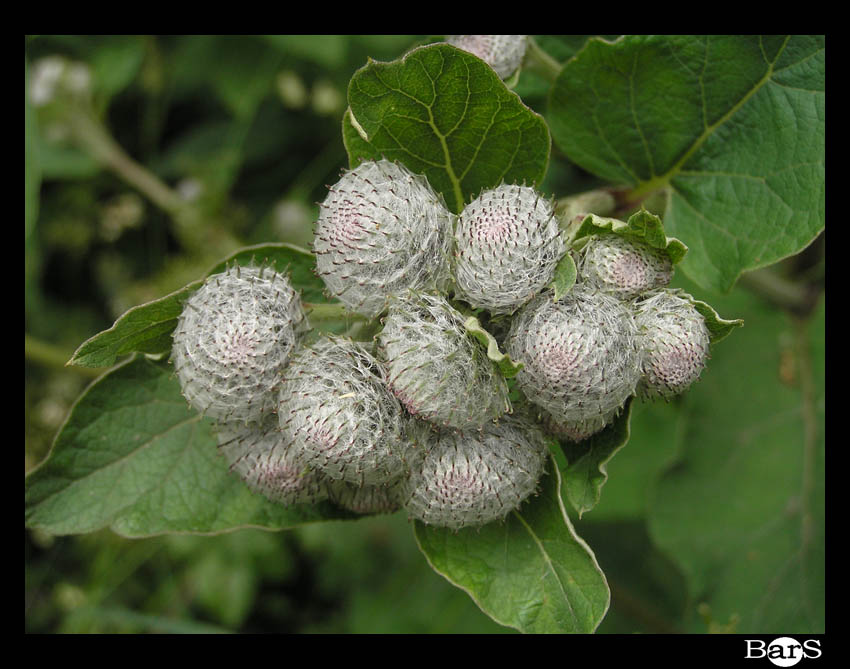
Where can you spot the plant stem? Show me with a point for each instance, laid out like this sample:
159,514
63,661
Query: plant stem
100,144
50,356
330,311
795,297
194,232
540,62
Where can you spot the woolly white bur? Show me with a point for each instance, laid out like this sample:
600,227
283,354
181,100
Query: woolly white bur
674,344
344,422
507,246
579,354
575,430
233,339
622,266
435,368
381,230
268,463
476,477
368,498
504,53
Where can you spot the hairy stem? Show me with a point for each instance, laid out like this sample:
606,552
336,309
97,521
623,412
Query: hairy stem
540,62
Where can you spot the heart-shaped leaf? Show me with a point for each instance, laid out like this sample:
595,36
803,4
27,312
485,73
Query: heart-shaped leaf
445,113
732,125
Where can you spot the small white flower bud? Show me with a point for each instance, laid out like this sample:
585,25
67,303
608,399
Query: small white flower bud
436,368
368,499
381,230
622,266
261,456
579,354
674,344
476,477
504,53
233,339
343,419
507,246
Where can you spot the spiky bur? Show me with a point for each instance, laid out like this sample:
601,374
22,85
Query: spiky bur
507,246
575,430
369,498
381,230
622,266
266,461
436,369
476,477
579,354
343,419
233,339
673,341
504,53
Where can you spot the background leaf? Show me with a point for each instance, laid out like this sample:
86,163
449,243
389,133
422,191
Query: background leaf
531,572
147,328
134,457
733,126
586,462
741,508
444,113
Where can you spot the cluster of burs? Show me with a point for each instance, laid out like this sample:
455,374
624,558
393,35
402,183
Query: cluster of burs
419,416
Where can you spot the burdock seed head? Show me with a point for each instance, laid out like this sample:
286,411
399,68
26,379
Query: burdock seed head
233,339
673,341
265,460
344,421
507,245
575,430
623,267
504,53
368,499
473,478
438,371
381,230
579,354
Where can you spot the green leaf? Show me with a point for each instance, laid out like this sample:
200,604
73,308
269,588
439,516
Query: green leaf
733,126
642,226
587,461
444,113
718,328
565,277
327,51
530,572
147,328
115,62
741,508
134,457
508,367
243,72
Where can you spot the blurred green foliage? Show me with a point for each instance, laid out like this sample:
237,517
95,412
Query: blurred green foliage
244,134
247,129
